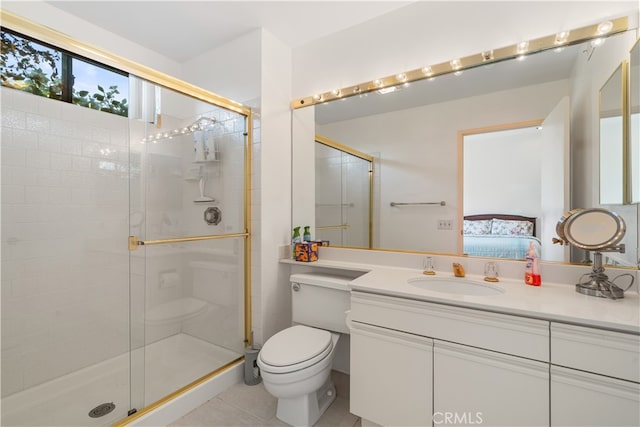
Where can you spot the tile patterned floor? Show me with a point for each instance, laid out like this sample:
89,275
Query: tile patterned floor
243,405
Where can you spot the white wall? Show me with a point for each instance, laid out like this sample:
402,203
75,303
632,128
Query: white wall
275,186
232,70
418,155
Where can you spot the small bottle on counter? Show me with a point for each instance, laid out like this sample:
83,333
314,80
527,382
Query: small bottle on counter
306,236
532,267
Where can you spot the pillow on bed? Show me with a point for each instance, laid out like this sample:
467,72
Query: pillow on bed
476,228
511,228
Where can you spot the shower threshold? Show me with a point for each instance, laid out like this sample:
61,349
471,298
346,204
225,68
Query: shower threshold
67,401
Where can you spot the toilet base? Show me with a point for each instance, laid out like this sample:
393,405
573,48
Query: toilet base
305,410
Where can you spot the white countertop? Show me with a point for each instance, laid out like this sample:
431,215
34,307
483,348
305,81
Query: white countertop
551,301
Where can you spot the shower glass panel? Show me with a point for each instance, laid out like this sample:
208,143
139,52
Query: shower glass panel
187,294
343,192
65,269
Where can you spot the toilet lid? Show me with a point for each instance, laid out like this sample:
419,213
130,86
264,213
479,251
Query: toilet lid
296,345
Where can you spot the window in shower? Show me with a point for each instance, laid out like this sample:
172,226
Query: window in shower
35,67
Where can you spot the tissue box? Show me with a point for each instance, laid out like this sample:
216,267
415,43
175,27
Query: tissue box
306,251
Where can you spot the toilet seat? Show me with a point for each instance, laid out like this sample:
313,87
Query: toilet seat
295,348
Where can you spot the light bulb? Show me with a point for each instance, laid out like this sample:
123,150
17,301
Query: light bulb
336,92
401,77
455,64
427,71
377,82
487,55
605,27
562,37
523,47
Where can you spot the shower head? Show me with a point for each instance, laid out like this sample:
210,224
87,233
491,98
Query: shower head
202,123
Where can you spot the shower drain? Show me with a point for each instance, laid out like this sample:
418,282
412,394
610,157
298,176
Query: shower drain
102,410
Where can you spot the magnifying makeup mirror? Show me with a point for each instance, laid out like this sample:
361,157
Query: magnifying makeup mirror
599,230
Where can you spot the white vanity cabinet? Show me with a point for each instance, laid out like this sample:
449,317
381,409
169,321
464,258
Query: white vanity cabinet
475,386
481,365
391,376
595,377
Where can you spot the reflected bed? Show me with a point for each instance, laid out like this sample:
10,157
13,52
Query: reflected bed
499,235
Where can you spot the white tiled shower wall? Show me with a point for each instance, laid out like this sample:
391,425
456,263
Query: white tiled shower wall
65,202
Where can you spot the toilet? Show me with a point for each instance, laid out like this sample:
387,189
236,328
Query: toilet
295,363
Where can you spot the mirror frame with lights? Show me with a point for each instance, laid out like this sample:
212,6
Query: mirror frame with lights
554,41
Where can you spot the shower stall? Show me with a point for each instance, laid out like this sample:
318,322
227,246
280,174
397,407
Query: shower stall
125,238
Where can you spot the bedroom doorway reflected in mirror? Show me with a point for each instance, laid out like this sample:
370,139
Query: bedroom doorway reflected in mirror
513,187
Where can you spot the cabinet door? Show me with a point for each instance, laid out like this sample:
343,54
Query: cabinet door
584,399
391,376
473,386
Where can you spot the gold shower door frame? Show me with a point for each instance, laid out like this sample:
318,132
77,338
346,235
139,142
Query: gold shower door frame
60,40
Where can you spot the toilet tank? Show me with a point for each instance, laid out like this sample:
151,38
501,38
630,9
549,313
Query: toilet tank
321,300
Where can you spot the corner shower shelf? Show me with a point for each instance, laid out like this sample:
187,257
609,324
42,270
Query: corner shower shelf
176,310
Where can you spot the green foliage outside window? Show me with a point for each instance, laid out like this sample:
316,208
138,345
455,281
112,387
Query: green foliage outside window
103,100
22,67
33,68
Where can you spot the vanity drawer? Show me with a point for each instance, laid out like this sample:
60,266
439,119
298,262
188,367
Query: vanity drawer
504,333
614,354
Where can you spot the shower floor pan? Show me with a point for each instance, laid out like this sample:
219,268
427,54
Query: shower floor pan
170,364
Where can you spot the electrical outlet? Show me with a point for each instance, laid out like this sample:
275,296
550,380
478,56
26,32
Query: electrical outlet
445,224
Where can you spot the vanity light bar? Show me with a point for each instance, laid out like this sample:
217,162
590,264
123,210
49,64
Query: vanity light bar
564,38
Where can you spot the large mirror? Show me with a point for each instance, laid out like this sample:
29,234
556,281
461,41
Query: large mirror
419,135
613,121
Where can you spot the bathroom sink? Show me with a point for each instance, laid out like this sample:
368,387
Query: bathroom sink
457,286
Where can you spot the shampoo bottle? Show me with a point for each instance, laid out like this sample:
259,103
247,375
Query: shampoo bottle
532,268
295,239
306,237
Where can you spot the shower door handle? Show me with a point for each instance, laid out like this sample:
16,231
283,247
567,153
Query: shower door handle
135,243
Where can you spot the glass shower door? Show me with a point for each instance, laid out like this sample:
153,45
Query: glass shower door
187,220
